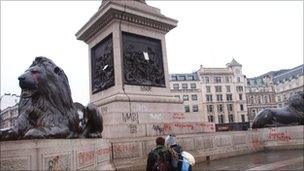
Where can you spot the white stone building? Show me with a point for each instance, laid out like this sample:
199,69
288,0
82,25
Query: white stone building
220,93
9,109
188,88
8,116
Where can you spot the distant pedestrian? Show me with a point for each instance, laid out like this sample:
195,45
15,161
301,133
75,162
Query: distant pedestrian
159,159
178,162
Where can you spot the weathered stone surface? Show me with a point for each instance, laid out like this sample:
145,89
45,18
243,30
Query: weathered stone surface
55,154
239,139
96,154
57,162
15,163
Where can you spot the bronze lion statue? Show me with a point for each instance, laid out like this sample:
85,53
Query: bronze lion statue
292,114
46,108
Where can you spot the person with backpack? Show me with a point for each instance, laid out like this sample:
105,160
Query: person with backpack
159,159
178,162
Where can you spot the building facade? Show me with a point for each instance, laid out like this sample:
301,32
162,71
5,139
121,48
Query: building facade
9,100
187,88
9,109
288,83
220,93
8,116
260,94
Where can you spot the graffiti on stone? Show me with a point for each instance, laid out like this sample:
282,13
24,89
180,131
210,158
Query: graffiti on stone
157,128
130,117
146,88
275,135
133,128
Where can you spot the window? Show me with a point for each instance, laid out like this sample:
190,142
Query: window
220,108
174,78
195,108
265,99
242,107
209,98
230,118
206,79
183,78
279,98
230,107
241,96
194,97
228,88
208,89
177,96
243,118
239,88
184,86
227,79
209,108
175,86
238,79
221,118
229,97
185,97
190,77
193,86
187,109
217,79
218,88
210,118
219,97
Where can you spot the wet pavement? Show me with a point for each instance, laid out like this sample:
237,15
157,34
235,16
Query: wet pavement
265,160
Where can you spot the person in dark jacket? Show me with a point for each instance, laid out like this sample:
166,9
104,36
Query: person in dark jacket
176,153
159,159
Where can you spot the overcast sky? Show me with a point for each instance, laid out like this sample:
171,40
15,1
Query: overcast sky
262,36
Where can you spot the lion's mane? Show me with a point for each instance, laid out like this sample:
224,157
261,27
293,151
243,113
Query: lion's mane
51,104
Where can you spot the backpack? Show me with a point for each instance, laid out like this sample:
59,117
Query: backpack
177,158
161,159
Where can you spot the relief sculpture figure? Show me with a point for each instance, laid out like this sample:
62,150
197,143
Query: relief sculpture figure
46,108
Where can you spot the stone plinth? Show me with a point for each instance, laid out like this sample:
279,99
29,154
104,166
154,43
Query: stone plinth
131,153
129,78
56,154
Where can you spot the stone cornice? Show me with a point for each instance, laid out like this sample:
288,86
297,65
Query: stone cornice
137,98
111,11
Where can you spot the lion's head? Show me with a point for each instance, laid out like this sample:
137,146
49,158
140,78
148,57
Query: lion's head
45,87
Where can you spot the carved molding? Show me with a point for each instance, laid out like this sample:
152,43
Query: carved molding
112,14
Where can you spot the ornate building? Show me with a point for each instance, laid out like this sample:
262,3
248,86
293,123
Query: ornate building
220,93
8,116
9,109
288,83
260,94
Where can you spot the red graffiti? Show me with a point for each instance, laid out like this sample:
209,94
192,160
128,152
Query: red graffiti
104,151
124,148
274,135
207,127
167,127
86,157
178,116
179,125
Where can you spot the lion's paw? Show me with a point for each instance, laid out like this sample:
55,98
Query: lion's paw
34,133
95,135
